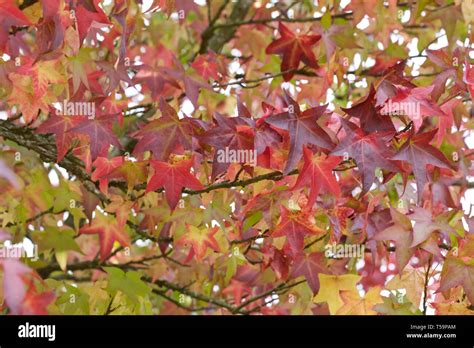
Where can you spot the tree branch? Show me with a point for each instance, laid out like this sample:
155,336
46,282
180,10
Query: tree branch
215,39
45,147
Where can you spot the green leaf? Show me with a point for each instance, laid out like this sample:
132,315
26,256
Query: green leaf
252,220
75,301
129,283
326,20
57,238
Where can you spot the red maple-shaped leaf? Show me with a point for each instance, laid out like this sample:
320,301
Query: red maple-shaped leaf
458,272
192,84
382,64
303,129
199,240
100,134
155,79
36,303
32,86
419,153
11,16
103,167
371,120
468,78
207,66
426,224
415,103
295,226
449,70
445,122
278,261
230,134
393,78
368,150
116,73
109,231
309,266
52,26
264,135
238,135
294,48
163,135
173,178
237,290
317,172
401,233
88,12
59,126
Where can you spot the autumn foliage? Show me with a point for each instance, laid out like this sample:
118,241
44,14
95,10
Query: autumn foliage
236,157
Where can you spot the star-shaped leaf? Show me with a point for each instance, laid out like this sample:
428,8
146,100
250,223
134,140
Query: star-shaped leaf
229,134
192,84
419,153
36,303
458,272
317,173
59,126
415,103
100,134
103,167
330,287
207,66
109,231
163,135
173,178
426,224
303,129
88,12
129,283
309,266
199,240
155,79
10,15
295,226
294,48
402,234
371,120
413,281
354,304
368,150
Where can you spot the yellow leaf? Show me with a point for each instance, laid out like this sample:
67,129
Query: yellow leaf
331,285
467,7
61,257
455,308
413,281
356,305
